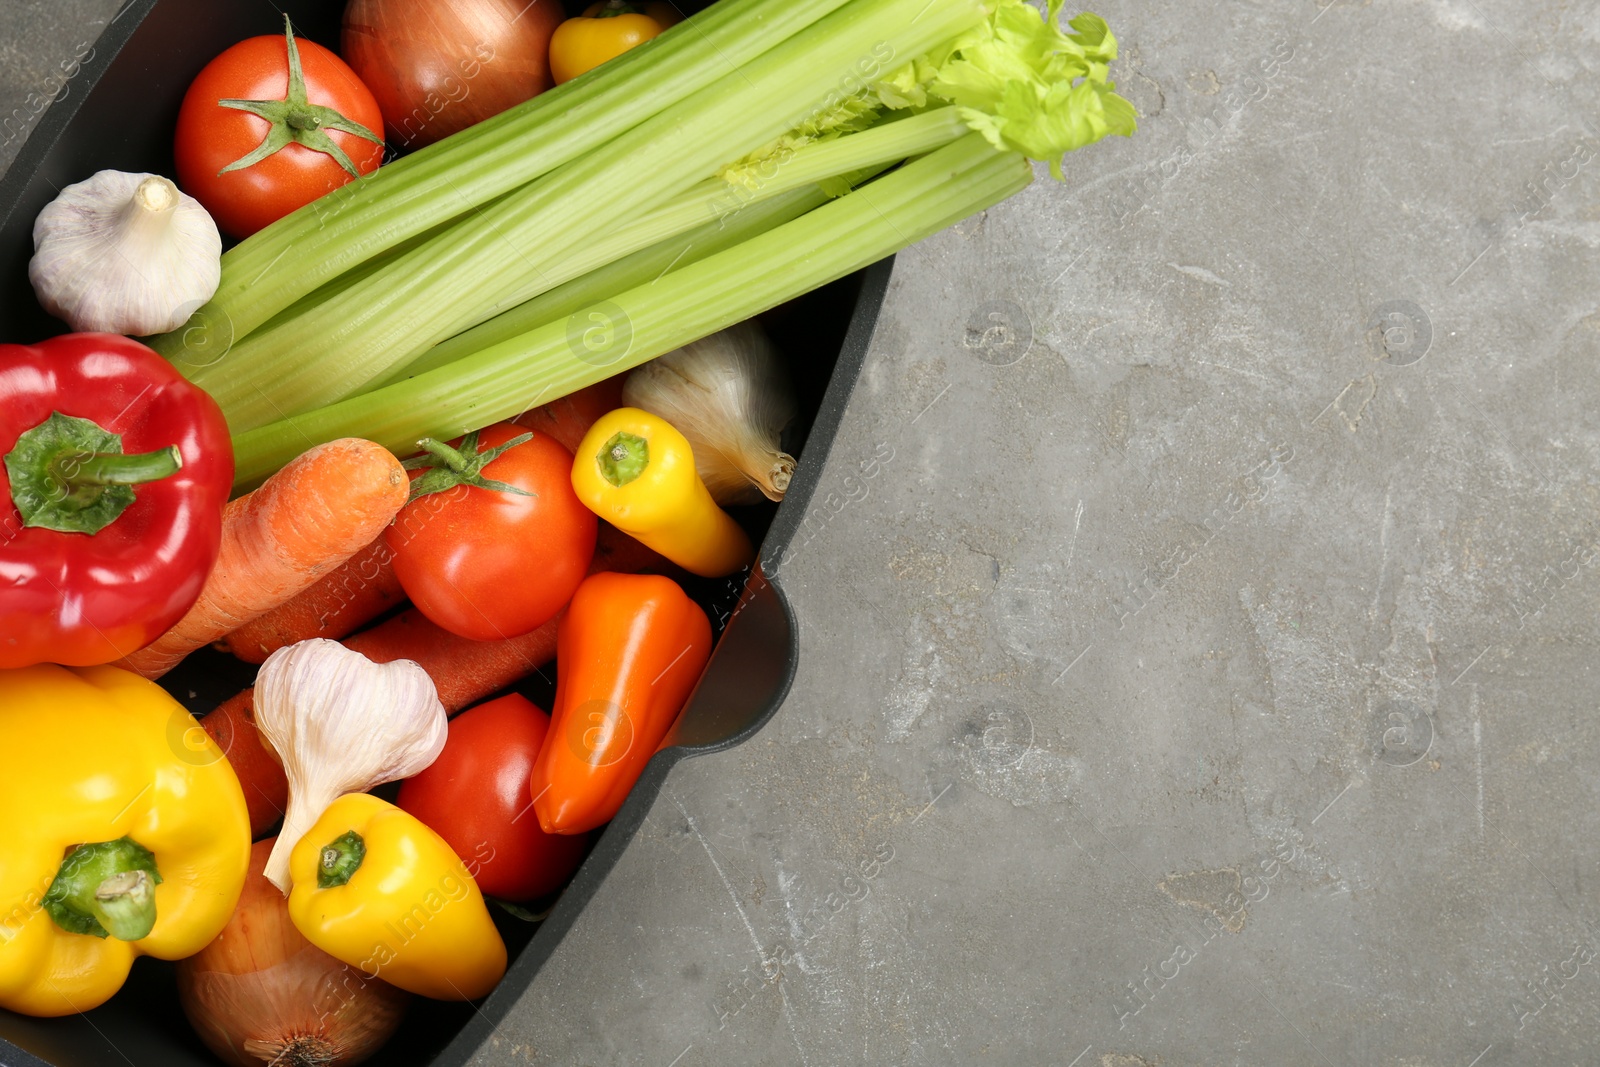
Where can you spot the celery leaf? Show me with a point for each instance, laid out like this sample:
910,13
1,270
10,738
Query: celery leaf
1031,88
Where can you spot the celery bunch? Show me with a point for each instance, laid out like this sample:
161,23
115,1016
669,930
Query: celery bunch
751,154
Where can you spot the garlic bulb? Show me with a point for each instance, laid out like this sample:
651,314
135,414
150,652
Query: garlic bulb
124,253
730,396
341,724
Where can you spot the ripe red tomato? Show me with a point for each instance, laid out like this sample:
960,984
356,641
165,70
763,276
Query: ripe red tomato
475,796
487,563
211,137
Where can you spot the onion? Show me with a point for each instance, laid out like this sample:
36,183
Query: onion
439,66
262,994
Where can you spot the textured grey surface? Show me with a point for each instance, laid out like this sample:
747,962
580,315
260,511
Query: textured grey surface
1204,676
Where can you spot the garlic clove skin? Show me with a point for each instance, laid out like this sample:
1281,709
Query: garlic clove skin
341,723
730,396
124,253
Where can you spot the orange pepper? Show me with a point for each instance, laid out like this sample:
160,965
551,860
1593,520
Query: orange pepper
630,650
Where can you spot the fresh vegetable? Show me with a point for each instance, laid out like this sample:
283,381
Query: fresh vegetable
638,473
116,471
597,273
463,672
365,586
306,520
261,994
493,541
125,835
377,889
232,725
632,648
475,796
466,671
347,598
124,253
270,125
413,195
690,302
438,68
1029,89
341,724
603,32
463,274
730,397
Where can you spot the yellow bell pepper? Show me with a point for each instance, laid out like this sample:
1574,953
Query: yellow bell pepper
637,472
378,890
126,834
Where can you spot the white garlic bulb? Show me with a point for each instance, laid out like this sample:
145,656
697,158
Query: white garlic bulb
341,723
124,253
730,396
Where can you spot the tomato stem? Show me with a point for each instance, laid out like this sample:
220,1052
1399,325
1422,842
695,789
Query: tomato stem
452,458
449,467
295,120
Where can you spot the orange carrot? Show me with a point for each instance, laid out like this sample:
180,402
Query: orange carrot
341,603
304,521
266,790
464,671
568,419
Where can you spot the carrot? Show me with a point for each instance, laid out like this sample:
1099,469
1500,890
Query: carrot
354,594
305,520
569,418
266,790
464,671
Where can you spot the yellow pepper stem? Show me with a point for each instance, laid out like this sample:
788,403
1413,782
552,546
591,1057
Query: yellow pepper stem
341,858
623,458
106,889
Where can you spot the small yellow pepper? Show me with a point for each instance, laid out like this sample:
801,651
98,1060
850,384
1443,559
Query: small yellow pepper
636,472
603,32
126,834
378,890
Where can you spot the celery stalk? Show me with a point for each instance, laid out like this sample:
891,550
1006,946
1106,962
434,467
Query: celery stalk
889,142
619,275
837,238
430,294
272,269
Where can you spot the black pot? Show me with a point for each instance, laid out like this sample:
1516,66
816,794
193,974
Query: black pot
118,111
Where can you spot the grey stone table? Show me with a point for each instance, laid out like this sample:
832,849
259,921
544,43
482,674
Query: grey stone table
1207,674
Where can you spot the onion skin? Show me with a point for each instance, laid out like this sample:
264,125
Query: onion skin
262,994
439,66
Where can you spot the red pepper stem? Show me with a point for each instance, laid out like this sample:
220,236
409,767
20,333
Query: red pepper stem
83,470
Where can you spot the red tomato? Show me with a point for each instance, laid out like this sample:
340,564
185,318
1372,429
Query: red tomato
475,796
489,564
211,137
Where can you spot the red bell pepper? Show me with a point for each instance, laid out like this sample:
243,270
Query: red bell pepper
630,650
116,470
